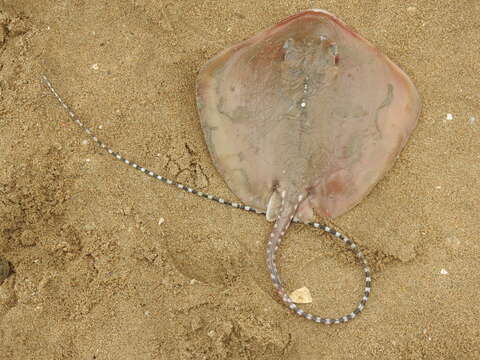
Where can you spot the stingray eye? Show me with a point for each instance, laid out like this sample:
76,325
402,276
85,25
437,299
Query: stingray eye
288,44
333,48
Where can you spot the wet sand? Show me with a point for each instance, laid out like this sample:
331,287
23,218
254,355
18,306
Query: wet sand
99,275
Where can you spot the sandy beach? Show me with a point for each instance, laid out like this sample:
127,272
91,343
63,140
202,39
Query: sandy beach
110,264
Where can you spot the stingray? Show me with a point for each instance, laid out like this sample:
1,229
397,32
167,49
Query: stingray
304,116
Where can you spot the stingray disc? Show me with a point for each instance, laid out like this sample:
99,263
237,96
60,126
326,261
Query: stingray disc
309,107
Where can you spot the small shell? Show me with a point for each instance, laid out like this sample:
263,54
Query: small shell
4,269
301,296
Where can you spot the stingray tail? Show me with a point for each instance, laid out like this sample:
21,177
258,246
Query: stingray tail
285,218
287,212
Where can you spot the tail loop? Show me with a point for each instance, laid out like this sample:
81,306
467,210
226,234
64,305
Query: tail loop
281,225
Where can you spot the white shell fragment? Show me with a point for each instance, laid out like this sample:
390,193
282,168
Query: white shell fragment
301,296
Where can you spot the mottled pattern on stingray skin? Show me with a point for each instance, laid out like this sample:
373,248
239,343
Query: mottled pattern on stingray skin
270,250
304,115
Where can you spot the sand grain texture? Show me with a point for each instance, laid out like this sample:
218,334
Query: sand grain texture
95,276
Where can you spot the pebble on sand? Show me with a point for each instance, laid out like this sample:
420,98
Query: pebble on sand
301,296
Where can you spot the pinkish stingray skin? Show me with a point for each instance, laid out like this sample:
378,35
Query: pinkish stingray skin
305,115
306,107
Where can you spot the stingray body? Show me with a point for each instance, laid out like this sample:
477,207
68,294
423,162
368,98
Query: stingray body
306,115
